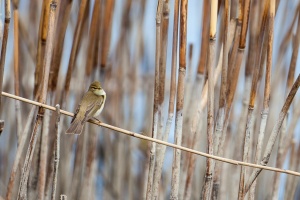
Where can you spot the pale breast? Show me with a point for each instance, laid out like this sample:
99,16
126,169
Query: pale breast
101,108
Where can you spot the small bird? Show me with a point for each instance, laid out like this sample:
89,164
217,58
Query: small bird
90,106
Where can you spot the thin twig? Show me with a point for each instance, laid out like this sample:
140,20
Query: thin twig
140,136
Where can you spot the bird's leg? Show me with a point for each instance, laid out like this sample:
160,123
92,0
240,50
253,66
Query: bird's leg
94,118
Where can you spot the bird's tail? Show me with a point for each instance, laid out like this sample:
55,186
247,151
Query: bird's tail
76,127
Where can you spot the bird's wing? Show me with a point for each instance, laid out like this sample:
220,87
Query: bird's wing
93,108
76,112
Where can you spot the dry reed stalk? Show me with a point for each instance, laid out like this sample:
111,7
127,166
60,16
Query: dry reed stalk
222,101
42,174
191,99
3,51
75,46
251,63
234,65
62,23
56,152
179,100
92,37
143,137
195,127
204,36
160,158
231,88
162,76
16,71
264,114
106,33
275,131
47,61
156,107
20,150
208,179
41,45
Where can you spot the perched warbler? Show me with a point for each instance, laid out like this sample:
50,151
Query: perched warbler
90,106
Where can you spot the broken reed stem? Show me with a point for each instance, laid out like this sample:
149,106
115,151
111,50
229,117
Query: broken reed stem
56,152
75,45
162,76
208,181
143,137
106,34
16,72
4,44
179,100
222,102
22,194
156,107
274,133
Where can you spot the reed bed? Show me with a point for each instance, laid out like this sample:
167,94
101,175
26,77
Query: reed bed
202,99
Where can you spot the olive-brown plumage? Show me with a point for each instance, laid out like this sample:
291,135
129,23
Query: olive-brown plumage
90,106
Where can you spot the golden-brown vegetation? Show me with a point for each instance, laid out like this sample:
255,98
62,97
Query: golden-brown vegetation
235,107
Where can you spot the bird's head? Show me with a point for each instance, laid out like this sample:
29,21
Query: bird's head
96,88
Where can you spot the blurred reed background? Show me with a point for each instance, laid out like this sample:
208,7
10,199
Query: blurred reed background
216,76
